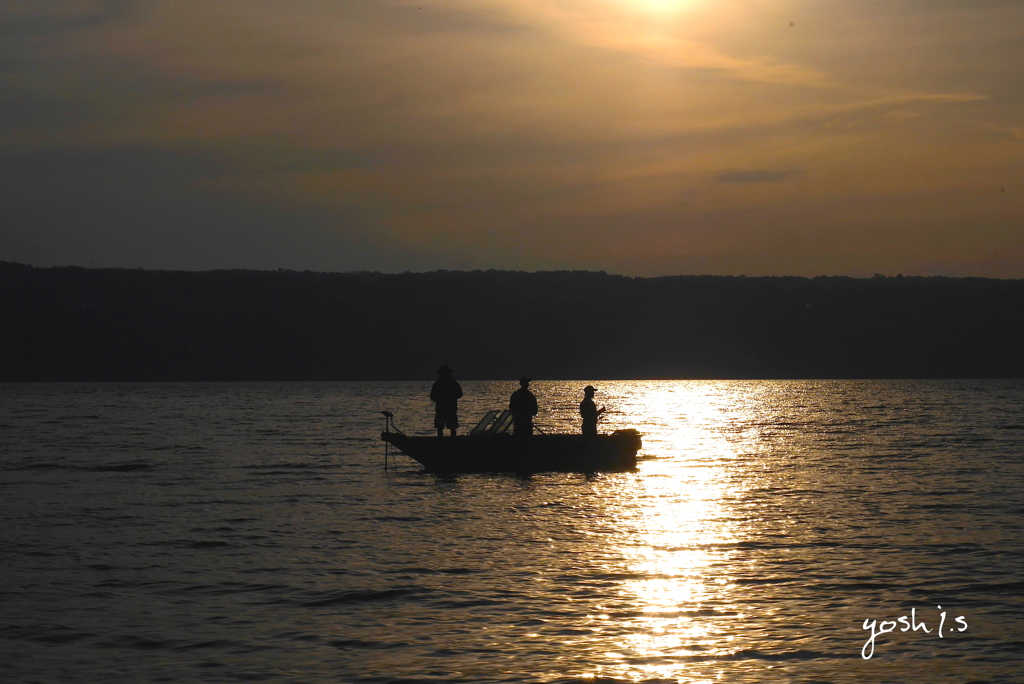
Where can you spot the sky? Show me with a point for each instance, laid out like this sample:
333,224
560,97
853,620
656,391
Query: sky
640,137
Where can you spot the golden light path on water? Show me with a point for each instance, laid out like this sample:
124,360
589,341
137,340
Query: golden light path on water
683,529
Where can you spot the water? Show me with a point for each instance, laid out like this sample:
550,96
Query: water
248,532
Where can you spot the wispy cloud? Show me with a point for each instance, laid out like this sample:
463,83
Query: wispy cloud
756,176
560,131
25,17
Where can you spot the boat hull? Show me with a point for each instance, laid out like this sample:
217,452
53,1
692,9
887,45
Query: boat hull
508,454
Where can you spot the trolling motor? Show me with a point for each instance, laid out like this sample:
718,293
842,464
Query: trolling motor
389,426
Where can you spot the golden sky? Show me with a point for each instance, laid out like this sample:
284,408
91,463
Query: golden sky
644,137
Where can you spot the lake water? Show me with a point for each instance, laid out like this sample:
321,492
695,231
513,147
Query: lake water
249,532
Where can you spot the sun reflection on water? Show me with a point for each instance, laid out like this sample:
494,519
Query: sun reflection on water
683,530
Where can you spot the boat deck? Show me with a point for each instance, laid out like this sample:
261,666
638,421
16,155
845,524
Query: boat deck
503,453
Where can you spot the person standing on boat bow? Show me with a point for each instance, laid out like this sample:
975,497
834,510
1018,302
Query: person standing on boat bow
445,394
523,406
589,411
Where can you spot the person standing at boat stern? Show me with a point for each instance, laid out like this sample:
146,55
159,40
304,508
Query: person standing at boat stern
445,394
589,411
523,406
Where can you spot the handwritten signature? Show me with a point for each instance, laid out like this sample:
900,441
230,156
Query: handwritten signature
909,624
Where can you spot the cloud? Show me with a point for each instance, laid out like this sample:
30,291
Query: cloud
477,132
28,17
755,176
642,31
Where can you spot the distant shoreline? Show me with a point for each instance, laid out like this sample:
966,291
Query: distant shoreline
68,324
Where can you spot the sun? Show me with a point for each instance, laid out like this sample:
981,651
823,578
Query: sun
664,7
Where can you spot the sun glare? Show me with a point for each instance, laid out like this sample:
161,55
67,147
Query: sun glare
664,6
684,530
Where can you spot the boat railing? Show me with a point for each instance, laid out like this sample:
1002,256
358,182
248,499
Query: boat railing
493,423
389,423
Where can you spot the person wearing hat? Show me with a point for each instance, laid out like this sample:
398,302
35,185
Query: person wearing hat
445,394
589,411
523,406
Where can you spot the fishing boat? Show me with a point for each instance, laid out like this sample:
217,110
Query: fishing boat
490,448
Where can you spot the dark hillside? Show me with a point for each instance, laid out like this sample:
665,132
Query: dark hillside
114,324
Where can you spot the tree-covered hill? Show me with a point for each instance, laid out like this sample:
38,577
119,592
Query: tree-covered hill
73,323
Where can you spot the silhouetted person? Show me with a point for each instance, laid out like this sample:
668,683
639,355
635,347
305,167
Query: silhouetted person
445,394
523,406
589,411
